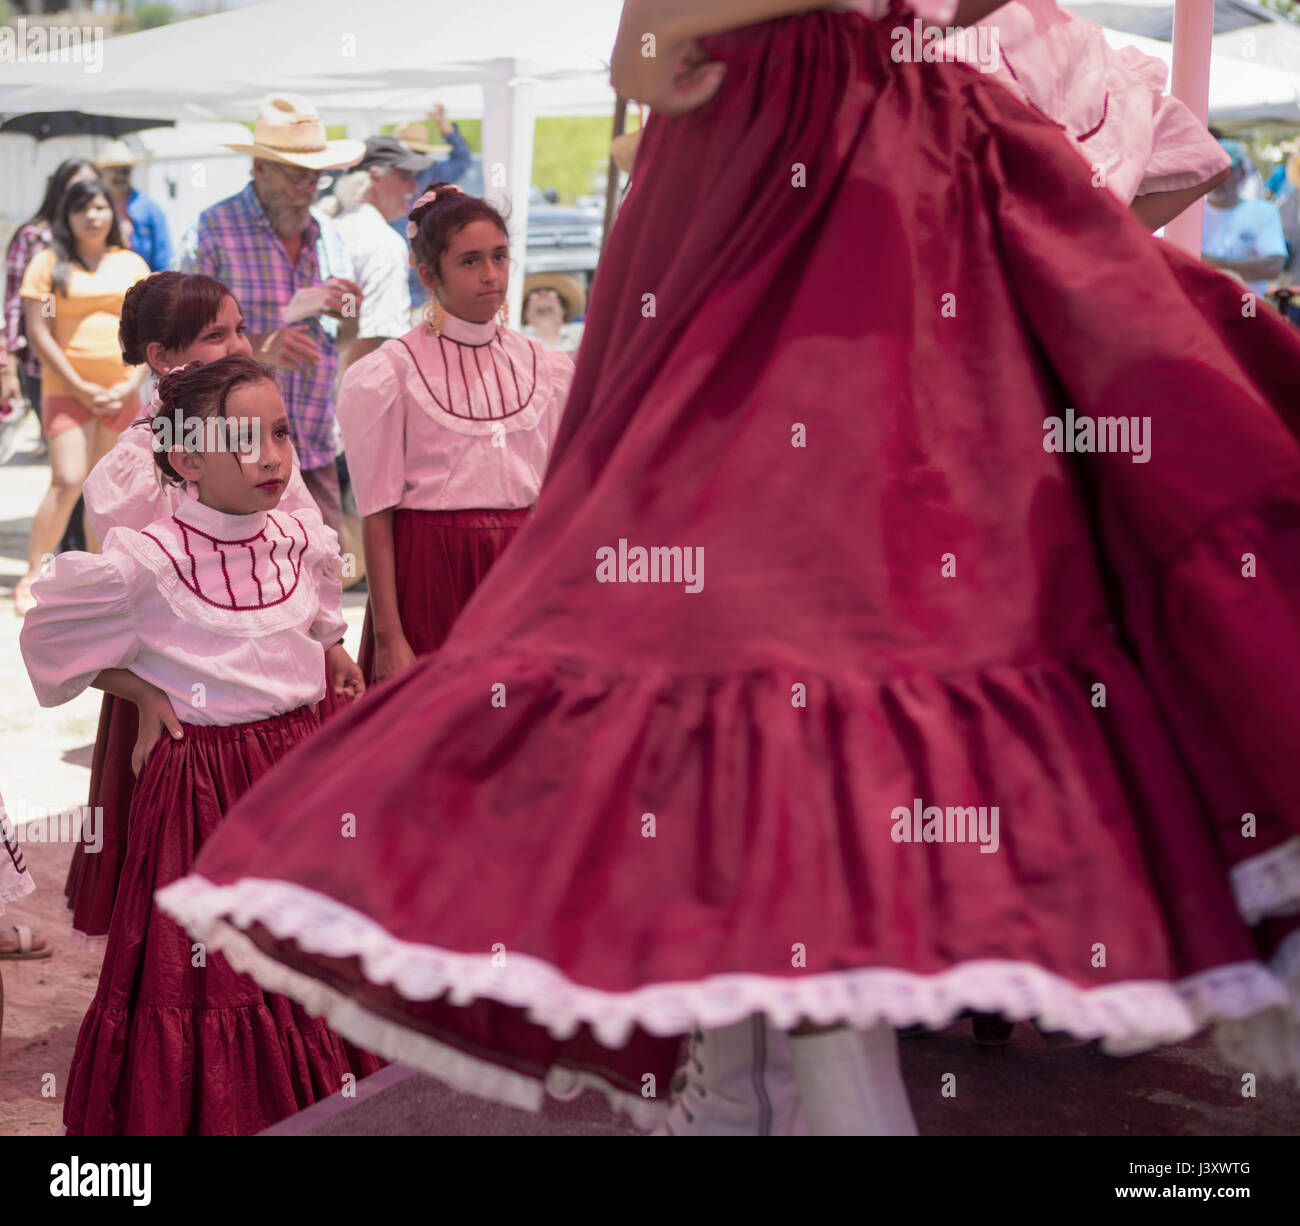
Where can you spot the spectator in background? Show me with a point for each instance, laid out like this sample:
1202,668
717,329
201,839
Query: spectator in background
1289,211
291,275
142,221
1242,236
72,294
552,302
454,161
22,373
378,192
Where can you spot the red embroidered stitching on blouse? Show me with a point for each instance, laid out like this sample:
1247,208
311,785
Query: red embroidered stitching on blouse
1105,105
468,415
294,562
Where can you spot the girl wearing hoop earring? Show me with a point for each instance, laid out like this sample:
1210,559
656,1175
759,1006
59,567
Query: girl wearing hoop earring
448,430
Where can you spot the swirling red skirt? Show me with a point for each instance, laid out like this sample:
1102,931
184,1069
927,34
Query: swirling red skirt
810,567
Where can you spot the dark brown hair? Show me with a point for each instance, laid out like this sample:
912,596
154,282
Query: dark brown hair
75,199
438,221
171,308
196,392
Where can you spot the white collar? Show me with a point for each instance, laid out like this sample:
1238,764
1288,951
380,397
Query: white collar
218,524
465,333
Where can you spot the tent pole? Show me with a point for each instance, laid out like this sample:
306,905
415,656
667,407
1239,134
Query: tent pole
1190,82
612,182
509,116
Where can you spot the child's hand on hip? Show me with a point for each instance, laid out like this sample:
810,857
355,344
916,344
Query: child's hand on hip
156,717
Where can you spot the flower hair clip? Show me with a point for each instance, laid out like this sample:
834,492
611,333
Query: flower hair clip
429,197
155,402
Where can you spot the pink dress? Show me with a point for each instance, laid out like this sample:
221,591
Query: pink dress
229,616
453,434
124,490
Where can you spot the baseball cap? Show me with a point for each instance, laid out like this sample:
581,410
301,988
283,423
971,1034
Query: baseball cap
389,151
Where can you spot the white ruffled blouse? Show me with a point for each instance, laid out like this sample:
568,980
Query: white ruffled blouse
124,491
229,615
458,422
1110,103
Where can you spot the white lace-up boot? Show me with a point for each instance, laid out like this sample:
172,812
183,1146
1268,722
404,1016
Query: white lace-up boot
738,1081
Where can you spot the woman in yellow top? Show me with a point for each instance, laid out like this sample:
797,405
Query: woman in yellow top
72,297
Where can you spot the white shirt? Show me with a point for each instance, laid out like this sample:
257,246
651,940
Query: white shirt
1110,102
382,265
465,421
124,490
229,615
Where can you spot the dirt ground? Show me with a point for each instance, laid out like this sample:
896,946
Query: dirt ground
44,1001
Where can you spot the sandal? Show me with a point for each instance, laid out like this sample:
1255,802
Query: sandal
27,950
24,601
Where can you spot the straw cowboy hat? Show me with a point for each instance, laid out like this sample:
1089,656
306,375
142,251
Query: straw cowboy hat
416,136
572,295
288,129
118,153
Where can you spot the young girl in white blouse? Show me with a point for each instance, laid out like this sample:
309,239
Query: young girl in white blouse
447,432
219,621
168,320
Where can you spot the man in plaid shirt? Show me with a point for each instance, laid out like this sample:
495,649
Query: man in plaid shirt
290,274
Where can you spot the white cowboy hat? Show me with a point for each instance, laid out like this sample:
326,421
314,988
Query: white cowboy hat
117,153
289,129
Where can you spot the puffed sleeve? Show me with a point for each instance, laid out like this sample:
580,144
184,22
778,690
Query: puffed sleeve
83,622
561,367
939,12
123,490
1183,153
326,565
372,416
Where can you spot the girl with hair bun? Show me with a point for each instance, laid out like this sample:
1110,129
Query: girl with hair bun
447,431
168,319
218,620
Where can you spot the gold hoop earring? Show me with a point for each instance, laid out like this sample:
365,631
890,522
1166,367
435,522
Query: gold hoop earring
503,313
434,316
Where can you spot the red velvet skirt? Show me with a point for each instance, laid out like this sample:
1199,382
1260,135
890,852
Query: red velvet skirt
91,885
93,877
175,1042
439,558
809,600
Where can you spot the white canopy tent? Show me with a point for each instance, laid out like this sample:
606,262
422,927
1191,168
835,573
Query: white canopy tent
1240,90
361,64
